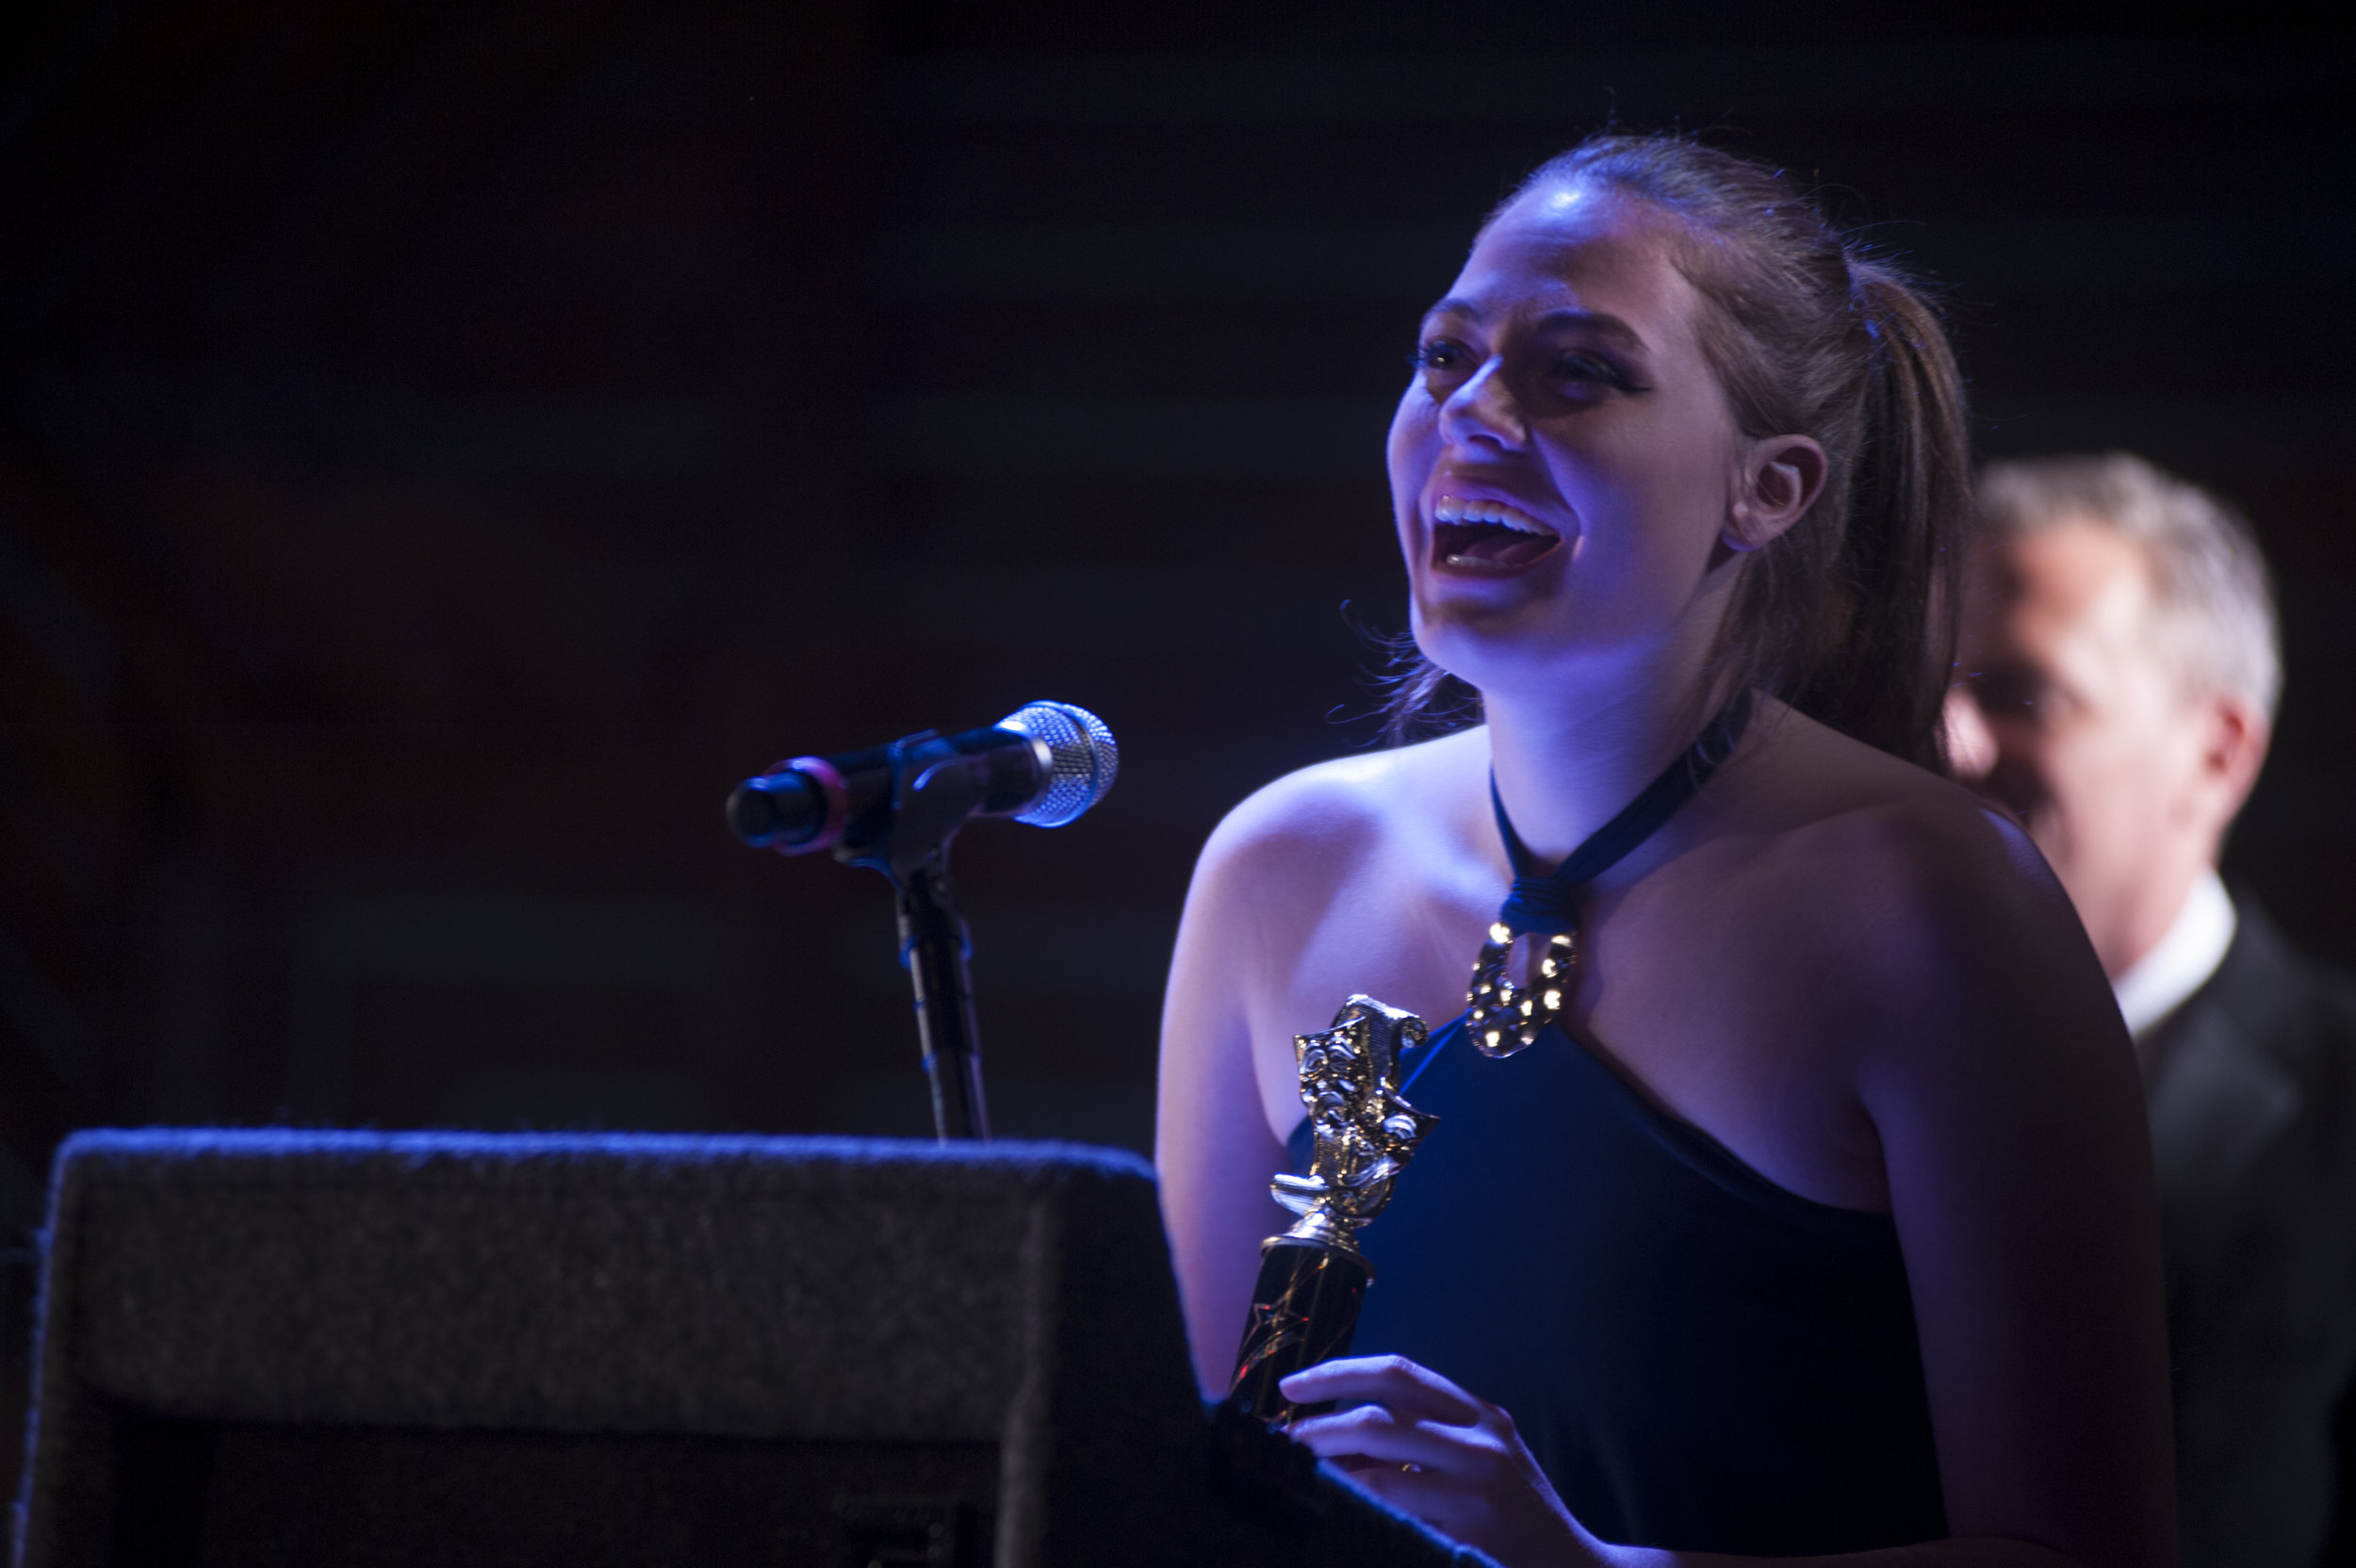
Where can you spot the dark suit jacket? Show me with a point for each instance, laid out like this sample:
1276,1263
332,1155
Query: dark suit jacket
2251,1086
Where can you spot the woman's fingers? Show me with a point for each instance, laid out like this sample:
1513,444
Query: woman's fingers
1374,1433
1425,1445
1409,1390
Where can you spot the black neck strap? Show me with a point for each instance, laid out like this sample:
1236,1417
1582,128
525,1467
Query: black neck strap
1548,902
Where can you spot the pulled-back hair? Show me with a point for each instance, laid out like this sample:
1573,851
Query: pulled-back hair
1849,614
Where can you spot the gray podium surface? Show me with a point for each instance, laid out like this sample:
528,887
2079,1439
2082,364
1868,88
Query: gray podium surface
326,1348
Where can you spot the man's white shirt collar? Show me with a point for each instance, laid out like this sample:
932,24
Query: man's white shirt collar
2181,962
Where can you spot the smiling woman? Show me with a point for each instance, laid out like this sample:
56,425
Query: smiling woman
1803,334
1815,1217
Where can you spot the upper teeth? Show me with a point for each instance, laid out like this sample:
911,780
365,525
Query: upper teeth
1455,508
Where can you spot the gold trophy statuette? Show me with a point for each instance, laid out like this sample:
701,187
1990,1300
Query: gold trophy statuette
1312,1278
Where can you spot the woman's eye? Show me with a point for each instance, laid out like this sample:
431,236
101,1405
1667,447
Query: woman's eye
1440,356
1593,370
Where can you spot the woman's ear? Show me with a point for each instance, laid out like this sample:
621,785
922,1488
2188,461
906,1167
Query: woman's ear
1779,480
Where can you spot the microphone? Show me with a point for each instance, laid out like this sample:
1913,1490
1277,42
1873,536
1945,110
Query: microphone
1044,763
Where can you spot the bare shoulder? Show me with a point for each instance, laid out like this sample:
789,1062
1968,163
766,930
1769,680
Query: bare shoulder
1297,902
1938,905
1370,874
1300,837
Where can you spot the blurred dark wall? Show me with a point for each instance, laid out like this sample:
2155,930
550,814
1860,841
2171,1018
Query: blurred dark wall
443,446
425,480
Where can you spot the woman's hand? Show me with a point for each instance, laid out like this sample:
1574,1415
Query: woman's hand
1429,1448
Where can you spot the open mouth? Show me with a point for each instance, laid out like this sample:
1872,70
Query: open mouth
1487,535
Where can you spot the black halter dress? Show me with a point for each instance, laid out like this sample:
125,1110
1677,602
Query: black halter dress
1699,1358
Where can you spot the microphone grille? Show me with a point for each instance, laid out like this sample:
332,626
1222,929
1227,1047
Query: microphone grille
1082,759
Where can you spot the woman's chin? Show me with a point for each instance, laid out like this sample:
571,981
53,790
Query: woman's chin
1484,646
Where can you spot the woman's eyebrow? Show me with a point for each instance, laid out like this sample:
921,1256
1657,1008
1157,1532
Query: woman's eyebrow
1593,320
1569,316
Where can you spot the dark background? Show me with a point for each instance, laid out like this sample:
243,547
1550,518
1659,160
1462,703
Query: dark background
444,444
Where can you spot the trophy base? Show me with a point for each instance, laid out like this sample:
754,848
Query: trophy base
1305,1310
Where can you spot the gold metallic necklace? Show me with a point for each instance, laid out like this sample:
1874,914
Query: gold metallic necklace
1507,1016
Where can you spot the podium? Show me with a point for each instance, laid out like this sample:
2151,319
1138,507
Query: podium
280,1348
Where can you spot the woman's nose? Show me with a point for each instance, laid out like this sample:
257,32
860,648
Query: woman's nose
1483,410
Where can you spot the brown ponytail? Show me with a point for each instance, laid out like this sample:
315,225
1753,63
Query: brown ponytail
1850,615
1900,564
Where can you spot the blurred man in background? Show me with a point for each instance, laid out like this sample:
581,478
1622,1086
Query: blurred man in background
2120,671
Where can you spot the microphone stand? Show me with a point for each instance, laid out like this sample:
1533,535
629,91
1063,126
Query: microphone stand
929,803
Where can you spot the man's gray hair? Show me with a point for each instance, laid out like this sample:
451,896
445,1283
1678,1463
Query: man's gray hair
2209,581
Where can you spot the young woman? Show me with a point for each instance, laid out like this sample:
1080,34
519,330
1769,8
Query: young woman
1817,1218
